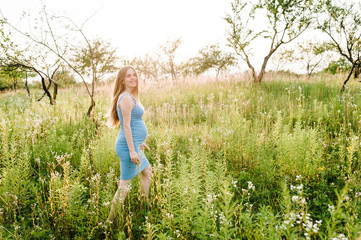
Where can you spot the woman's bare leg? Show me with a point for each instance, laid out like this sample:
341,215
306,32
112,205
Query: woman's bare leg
118,199
146,178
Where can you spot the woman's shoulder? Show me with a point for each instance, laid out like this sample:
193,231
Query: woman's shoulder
121,95
126,100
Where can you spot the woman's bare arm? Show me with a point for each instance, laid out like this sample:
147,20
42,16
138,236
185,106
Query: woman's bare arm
126,105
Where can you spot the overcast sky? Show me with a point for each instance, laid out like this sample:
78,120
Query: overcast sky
137,27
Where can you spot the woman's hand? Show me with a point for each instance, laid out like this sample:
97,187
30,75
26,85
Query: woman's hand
144,146
134,157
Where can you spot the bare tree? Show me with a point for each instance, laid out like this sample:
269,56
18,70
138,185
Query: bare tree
54,43
286,20
342,23
307,55
168,53
30,57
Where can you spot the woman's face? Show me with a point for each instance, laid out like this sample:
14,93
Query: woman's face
131,79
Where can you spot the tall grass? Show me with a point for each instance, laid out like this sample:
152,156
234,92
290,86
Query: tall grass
231,160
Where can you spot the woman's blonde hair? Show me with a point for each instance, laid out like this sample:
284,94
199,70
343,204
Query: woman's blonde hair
117,90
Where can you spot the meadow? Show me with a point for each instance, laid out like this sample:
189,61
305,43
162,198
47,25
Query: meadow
231,160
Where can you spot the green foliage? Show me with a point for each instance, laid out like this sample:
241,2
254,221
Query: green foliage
147,67
212,57
338,66
314,56
11,76
286,20
96,59
64,77
5,83
230,161
342,24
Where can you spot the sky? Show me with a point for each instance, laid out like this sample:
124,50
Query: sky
137,27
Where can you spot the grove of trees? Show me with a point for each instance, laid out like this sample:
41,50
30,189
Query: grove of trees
57,50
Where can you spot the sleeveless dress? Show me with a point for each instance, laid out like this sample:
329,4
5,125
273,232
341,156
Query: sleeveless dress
128,169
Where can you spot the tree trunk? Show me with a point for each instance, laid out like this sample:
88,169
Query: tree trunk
217,74
250,67
263,70
15,83
265,61
172,71
46,91
308,70
55,92
348,78
26,85
91,107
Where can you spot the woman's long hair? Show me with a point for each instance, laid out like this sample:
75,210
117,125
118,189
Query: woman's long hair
117,90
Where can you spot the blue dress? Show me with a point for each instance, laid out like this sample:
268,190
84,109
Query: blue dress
128,169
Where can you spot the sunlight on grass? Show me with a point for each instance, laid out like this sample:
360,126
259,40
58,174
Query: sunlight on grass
231,160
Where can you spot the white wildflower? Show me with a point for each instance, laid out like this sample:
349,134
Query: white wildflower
251,186
331,208
295,198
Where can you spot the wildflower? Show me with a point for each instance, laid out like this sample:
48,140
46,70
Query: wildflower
340,237
234,183
331,208
251,186
177,232
295,198
222,218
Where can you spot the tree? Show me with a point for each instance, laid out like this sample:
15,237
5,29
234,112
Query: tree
13,74
310,55
168,53
287,19
341,65
64,77
212,57
54,40
95,61
342,23
147,66
10,74
33,58
29,57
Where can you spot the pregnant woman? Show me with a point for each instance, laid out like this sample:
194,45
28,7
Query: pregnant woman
127,111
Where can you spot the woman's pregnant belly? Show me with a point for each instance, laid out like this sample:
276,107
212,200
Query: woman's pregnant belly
139,134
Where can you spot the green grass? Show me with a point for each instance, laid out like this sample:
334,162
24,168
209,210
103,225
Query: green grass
231,160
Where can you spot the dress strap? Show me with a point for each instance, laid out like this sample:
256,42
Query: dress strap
123,94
